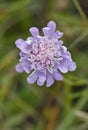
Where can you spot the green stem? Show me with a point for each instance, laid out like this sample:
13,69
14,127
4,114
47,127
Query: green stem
80,10
80,38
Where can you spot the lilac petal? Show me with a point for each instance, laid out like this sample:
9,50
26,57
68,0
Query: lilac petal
46,31
57,75
42,78
40,83
49,80
63,68
22,54
22,45
34,31
64,49
19,68
32,77
27,68
52,25
26,64
68,53
29,42
72,66
60,42
30,38
24,59
58,34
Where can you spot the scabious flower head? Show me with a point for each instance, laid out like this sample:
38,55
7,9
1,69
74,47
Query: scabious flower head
44,58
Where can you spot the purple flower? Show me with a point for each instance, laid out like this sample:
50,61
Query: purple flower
44,58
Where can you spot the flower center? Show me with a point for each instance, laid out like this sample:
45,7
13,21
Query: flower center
44,54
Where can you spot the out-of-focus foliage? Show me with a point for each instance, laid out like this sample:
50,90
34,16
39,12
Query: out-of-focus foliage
63,106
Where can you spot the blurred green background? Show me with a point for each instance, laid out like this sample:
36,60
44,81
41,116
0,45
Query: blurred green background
64,106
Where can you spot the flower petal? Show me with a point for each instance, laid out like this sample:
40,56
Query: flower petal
19,68
34,31
72,66
21,54
63,68
22,45
27,68
26,64
57,75
40,83
30,38
32,77
46,31
29,42
52,25
60,42
49,80
58,34
42,78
